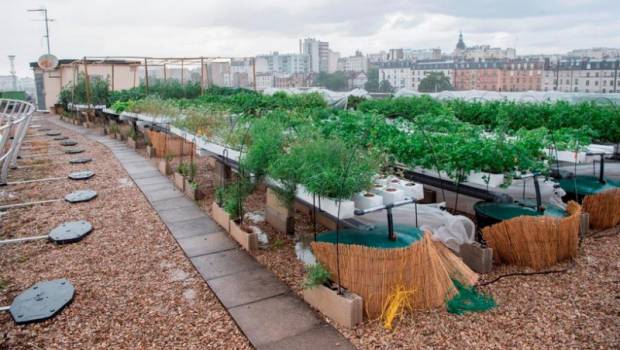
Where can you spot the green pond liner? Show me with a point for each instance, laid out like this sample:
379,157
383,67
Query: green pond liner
587,185
375,238
506,211
468,299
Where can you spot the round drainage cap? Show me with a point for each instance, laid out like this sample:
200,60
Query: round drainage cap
80,160
60,138
81,175
53,133
71,150
80,196
71,231
68,143
42,301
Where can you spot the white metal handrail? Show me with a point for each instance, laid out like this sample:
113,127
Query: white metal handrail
15,118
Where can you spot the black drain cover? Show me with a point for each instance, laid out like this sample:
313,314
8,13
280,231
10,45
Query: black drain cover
71,231
42,301
68,143
81,175
60,138
80,196
73,150
80,160
53,133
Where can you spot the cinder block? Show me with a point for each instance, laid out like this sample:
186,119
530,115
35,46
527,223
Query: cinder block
478,258
345,309
281,222
277,215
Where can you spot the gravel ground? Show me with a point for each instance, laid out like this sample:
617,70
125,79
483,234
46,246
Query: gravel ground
579,309
134,287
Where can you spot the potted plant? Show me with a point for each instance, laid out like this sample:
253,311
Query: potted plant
192,188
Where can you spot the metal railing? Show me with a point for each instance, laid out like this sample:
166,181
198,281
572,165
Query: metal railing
15,117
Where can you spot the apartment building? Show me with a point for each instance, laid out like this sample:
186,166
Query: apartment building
398,74
423,68
289,63
357,63
319,54
582,75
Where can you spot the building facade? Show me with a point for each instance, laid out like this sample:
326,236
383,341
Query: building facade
283,63
318,52
357,63
120,75
582,75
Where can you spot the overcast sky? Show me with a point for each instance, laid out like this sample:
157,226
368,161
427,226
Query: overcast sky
245,28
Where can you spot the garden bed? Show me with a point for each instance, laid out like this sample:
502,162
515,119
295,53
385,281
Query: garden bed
134,286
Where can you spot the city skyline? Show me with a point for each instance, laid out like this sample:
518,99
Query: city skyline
215,29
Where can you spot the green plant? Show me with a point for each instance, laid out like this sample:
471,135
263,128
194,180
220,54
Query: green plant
188,170
132,134
114,129
168,157
316,275
234,196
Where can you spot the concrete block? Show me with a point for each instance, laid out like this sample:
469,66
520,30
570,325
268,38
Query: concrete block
345,309
179,181
478,258
277,215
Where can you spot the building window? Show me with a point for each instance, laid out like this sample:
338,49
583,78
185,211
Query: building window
587,83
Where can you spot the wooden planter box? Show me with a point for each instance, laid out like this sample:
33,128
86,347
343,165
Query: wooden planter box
220,216
345,309
135,144
150,151
195,194
164,167
247,240
179,180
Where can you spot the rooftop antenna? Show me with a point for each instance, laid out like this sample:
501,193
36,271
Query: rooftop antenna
47,30
13,76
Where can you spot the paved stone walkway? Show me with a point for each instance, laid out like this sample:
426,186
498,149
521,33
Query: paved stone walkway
264,308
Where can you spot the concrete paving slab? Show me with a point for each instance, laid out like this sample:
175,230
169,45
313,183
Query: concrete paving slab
224,263
152,180
181,214
157,187
318,338
184,229
207,244
163,195
247,287
274,319
145,175
175,203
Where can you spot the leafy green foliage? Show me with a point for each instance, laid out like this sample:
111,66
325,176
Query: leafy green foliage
316,275
336,81
435,82
188,170
76,92
233,196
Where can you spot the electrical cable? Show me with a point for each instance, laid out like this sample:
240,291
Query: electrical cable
546,272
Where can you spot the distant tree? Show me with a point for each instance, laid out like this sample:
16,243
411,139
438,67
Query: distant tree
385,86
336,81
435,82
372,85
